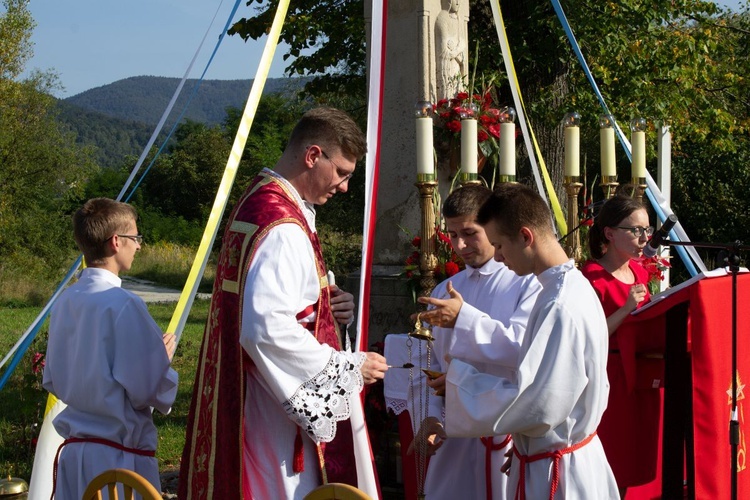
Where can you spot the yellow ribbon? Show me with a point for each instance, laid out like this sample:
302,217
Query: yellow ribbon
179,317
510,68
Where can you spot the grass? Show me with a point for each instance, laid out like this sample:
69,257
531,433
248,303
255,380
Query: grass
169,265
22,400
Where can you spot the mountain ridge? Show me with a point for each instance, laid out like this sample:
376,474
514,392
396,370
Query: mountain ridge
117,119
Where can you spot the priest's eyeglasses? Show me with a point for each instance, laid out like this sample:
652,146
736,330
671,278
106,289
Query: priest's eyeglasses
340,172
138,238
638,231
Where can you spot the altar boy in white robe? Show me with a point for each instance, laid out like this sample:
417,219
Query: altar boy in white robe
485,331
107,359
553,405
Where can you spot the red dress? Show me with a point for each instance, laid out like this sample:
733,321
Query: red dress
629,429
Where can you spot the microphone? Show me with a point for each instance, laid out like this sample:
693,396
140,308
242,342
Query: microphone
652,247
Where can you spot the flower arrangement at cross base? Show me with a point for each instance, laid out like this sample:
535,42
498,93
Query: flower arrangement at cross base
481,106
448,262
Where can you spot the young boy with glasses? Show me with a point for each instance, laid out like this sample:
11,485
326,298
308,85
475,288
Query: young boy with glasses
107,359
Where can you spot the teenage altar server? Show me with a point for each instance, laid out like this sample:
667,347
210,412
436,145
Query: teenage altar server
553,405
107,359
276,385
484,324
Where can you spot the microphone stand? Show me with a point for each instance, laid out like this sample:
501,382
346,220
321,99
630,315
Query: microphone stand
729,256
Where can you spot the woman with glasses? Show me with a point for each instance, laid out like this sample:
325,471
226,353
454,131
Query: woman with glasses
629,428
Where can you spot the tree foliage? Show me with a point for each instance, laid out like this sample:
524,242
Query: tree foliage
682,62
326,38
40,167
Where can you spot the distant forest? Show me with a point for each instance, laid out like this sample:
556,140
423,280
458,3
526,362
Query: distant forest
118,119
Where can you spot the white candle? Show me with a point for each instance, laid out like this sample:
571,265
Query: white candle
638,148
507,148
425,164
638,142
469,146
572,151
607,138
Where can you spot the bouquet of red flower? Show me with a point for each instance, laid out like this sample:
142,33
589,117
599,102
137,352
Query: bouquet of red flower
449,112
448,262
655,266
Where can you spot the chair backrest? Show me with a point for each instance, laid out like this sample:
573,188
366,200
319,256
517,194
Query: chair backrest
337,491
131,482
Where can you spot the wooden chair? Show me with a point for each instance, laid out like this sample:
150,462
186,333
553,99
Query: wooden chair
337,491
132,482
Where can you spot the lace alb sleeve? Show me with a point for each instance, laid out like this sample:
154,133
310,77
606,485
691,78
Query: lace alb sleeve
324,400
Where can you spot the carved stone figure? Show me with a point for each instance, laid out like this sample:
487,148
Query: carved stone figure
450,50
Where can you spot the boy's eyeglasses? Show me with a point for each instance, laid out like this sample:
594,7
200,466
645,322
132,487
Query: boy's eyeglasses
138,238
637,231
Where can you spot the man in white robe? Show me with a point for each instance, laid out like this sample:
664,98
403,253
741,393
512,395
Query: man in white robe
107,359
486,332
553,405
272,420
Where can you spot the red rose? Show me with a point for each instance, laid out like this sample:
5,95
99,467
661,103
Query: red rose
462,96
451,268
494,130
453,126
482,136
487,120
416,242
441,103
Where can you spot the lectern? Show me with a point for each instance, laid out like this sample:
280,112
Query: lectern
692,323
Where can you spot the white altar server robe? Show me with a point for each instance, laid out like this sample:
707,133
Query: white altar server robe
106,360
557,398
487,334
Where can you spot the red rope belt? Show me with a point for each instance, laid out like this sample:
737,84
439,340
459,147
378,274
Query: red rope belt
555,456
105,442
489,447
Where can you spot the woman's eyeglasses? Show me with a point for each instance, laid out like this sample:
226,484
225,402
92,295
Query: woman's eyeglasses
638,231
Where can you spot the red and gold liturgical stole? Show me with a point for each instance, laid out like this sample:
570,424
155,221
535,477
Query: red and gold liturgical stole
215,423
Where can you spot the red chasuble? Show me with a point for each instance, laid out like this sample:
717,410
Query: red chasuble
212,464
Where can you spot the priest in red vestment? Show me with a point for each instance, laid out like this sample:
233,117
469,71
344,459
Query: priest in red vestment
276,381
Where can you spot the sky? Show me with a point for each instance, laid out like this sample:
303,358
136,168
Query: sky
90,43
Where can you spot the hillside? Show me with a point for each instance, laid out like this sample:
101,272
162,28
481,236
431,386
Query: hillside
119,118
144,98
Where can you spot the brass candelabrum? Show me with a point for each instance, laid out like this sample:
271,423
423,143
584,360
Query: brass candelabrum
609,186
427,184
639,188
573,240
467,179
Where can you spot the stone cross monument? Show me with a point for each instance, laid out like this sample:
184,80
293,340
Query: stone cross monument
426,59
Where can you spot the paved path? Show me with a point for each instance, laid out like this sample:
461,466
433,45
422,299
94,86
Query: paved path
150,292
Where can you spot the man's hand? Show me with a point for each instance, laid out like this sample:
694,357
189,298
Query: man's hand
438,384
170,344
429,437
445,311
374,368
342,305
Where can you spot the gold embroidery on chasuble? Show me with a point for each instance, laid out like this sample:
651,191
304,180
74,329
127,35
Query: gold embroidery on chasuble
238,232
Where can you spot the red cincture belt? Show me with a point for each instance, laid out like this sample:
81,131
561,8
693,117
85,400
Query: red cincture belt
106,442
555,456
489,447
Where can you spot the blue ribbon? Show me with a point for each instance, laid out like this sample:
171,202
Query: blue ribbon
23,347
577,51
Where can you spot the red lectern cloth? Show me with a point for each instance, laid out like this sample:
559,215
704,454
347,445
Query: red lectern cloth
710,325
710,343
